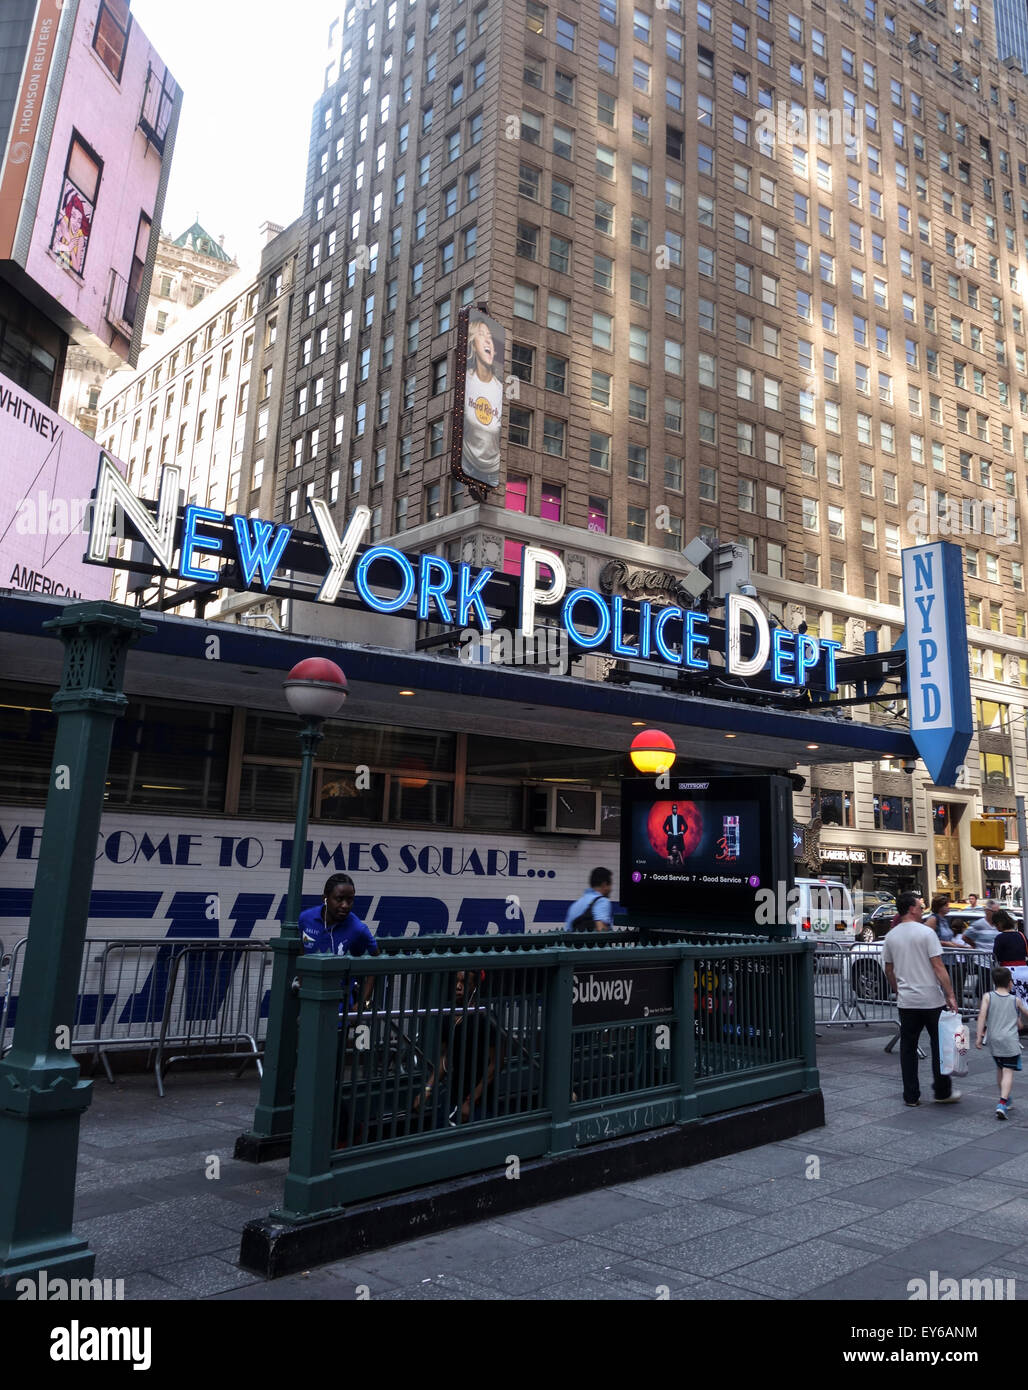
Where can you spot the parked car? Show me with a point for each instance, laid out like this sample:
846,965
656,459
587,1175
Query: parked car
959,918
876,923
968,969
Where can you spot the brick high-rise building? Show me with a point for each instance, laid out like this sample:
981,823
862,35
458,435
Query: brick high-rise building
762,271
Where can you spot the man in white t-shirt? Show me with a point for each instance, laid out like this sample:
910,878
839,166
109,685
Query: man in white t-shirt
914,969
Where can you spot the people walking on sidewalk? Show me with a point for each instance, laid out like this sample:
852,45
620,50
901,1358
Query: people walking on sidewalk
982,932
998,1022
1011,949
941,904
593,911
914,969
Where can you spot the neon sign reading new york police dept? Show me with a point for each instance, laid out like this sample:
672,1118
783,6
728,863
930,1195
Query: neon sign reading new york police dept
450,594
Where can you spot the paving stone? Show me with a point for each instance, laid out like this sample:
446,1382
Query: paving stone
720,1251
813,1219
588,1214
875,1281
801,1268
771,1160
340,1282
525,1272
667,1227
780,1194
146,1239
207,1274
650,1280
466,1252
687,1184
951,1254
446,1287
891,1192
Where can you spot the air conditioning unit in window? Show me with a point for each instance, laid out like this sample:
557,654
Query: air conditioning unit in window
564,810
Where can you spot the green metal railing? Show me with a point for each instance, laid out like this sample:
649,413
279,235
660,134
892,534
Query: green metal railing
427,1063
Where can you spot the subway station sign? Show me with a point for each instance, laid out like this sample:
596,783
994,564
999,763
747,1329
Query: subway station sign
197,544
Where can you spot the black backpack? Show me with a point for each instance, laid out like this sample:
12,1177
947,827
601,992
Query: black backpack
584,921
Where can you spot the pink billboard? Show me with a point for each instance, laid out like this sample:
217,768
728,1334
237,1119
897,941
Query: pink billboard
45,484
80,220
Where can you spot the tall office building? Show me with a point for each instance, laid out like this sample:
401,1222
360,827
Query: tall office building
186,270
1011,31
762,270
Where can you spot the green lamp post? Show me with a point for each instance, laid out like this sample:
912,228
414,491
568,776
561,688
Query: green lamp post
315,690
41,1095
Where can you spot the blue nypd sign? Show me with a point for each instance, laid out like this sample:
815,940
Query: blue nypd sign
938,675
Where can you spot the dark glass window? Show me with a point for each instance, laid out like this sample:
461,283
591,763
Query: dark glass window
163,755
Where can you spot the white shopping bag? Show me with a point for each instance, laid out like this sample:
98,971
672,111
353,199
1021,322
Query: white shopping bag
954,1044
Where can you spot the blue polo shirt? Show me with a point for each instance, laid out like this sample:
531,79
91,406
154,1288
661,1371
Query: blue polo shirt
351,937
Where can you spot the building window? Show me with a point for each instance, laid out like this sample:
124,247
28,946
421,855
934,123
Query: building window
73,222
110,38
599,451
636,524
519,426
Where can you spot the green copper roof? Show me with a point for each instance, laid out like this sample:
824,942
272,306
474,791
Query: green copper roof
200,241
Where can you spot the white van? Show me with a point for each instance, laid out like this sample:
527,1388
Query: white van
824,911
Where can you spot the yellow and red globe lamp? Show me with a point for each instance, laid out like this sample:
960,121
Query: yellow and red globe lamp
652,752
315,688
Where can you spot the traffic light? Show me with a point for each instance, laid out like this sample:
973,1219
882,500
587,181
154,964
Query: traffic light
988,834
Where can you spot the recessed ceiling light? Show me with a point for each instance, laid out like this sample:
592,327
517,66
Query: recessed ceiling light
638,723
730,735
812,746
405,692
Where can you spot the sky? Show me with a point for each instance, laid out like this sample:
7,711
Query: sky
250,71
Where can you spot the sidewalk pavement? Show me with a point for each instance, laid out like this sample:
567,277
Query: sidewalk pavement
882,1195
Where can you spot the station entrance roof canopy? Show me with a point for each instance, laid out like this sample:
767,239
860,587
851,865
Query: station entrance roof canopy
245,668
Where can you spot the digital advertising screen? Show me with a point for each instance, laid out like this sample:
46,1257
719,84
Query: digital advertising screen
704,848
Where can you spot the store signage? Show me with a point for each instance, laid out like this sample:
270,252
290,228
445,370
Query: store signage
845,856
446,593
898,858
618,578
618,993
938,675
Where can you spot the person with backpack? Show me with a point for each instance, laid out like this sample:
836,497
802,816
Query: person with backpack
593,910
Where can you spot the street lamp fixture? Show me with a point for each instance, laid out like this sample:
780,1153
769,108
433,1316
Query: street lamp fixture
652,751
315,690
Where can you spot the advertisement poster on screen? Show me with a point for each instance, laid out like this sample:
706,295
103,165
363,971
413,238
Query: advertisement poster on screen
704,848
49,468
478,413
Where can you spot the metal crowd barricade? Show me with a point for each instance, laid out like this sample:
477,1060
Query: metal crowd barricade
133,987
850,985
200,998
214,1005
850,988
